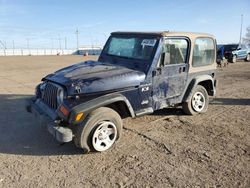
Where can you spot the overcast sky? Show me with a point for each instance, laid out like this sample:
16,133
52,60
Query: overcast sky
47,23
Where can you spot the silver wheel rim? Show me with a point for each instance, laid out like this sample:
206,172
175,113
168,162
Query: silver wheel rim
248,57
234,58
198,102
104,136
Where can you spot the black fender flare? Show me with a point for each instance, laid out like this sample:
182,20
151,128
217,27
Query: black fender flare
195,81
101,101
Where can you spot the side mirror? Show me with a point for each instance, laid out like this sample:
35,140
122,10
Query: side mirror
238,48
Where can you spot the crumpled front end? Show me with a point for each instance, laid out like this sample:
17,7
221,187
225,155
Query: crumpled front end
48,108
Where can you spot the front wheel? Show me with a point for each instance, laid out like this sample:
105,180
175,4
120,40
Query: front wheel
248,57
198,102
99,131
234,59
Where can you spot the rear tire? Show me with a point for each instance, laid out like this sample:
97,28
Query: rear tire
198,102
99,131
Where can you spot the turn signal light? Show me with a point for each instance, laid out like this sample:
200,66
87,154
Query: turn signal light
79,116
64,110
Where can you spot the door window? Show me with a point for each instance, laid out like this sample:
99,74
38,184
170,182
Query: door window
174,51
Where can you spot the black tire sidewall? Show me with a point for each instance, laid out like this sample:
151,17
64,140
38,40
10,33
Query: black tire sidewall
188,107
90,124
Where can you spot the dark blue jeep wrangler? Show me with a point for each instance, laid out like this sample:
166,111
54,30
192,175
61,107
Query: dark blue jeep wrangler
136,74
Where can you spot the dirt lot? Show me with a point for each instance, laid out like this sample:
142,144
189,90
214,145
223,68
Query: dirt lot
165,149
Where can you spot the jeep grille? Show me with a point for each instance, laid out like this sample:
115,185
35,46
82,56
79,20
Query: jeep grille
49,95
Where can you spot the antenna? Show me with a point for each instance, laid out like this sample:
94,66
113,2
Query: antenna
77,39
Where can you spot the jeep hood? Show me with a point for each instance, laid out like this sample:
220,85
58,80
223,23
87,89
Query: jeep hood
94,76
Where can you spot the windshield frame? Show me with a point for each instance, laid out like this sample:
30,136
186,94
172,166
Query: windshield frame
142,36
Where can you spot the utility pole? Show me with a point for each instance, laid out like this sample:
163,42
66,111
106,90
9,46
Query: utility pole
60,42
13,46
65,42
77,39
3,44
4,47
28,43
241,29
92,44
52,43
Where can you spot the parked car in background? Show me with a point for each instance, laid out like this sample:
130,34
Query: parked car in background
234,52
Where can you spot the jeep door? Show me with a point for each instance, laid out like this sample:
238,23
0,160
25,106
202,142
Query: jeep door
170,76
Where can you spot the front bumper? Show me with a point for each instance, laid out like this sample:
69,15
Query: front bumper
45,116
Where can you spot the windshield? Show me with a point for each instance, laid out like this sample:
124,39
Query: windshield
139,48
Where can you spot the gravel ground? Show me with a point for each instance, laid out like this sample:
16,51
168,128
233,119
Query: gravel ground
165,149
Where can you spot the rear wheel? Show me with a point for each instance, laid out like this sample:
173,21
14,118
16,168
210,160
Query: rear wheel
99,131
198,102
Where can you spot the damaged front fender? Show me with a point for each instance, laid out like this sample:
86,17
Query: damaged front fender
91,105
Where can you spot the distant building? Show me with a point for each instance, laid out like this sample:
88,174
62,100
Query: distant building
90,50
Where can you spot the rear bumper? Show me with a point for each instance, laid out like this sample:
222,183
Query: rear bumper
45,116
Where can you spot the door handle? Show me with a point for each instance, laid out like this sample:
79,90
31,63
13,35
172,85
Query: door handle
182,69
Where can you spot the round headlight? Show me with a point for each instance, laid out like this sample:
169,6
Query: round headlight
42,88
60,96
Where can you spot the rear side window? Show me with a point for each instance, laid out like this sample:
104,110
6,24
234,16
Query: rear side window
204,52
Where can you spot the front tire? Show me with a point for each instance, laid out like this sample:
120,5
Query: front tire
198,102
234,59
248,57
99,131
